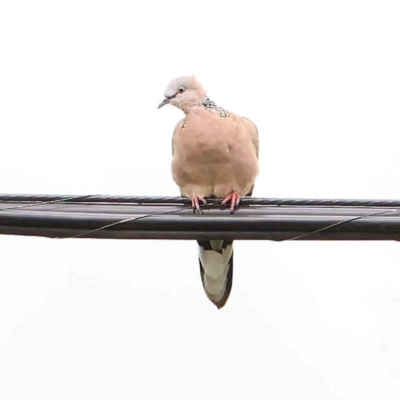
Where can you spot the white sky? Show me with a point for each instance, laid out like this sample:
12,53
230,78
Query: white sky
80,82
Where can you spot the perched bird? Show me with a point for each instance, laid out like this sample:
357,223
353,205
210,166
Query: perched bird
215,154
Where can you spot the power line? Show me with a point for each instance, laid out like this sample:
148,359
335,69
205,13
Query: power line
133,217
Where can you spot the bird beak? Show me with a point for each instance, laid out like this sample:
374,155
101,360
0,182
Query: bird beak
164,102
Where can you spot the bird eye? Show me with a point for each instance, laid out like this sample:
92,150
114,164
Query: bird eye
181,89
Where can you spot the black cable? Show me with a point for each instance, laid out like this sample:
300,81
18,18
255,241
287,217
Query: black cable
158,200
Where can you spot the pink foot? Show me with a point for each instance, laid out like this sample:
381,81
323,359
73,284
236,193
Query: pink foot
234,199
196,204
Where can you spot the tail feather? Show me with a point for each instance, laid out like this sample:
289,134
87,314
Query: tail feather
216,269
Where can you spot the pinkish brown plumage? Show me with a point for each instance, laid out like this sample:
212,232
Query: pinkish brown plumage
215,153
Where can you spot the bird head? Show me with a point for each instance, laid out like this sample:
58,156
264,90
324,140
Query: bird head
183,92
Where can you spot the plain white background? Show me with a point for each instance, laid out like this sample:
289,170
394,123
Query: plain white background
80,82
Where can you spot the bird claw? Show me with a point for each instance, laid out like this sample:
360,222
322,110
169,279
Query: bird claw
196,204
234,199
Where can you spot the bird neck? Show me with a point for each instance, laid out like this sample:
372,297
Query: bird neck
209,105
192,100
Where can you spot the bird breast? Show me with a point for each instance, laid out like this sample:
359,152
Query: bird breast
208,143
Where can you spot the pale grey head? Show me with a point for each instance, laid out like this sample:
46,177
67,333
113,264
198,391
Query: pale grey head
183,92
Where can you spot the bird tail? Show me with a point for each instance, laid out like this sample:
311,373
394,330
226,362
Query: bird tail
216,269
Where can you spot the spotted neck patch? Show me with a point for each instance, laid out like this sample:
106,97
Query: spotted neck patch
209,105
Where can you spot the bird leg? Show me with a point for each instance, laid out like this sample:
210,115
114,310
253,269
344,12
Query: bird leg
234,199
195,203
